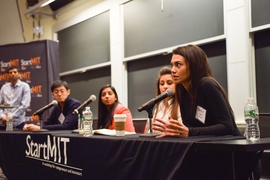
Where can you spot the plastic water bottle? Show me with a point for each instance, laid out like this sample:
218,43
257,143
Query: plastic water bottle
87,122
251,111
9,122
80,124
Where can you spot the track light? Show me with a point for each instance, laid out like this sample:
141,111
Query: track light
37,6
46,3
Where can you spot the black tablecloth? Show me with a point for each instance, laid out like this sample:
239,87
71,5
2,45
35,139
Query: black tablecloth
66,155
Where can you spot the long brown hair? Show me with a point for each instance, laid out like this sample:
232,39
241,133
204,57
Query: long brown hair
199,68
175,106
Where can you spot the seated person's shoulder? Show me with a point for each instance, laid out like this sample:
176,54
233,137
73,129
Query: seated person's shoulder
73,101
207,80
77,101
121,109
207,83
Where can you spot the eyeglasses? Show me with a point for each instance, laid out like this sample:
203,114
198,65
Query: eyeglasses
59,91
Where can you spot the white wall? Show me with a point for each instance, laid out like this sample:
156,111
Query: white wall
11,29
241,76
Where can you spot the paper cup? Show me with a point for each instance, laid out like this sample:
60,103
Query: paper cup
120,124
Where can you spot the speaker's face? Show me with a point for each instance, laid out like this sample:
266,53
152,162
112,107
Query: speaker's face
166,82
60,94
180,70
13,75
108,97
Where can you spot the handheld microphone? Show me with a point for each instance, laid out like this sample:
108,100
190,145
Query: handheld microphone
152,102
88,101
41,110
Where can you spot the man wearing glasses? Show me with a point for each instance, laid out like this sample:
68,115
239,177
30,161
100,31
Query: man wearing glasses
61,117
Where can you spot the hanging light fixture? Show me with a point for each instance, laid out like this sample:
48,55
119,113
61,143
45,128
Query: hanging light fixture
42,3
46,3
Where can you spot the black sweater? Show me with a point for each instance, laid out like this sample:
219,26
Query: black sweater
215,117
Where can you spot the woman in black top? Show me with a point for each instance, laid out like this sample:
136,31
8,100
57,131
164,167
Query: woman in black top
205,108
204,105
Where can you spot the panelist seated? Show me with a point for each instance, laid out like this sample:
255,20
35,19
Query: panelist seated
168,107
109,105
61,117
204,104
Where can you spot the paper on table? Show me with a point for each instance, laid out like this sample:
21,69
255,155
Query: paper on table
109,132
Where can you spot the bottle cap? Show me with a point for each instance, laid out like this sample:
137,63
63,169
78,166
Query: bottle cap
87,108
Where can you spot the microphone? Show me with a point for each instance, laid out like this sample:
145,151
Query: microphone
152,102
88,101
41,110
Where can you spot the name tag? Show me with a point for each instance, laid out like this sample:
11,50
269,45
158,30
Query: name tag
61,118
200,114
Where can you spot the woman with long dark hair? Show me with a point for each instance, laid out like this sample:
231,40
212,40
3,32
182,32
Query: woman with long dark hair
204,105
108,105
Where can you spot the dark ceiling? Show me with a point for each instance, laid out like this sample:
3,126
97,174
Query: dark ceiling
57,4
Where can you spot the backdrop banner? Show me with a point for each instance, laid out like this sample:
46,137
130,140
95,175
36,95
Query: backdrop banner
39,66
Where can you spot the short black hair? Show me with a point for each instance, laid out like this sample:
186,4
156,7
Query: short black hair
13,67
59,83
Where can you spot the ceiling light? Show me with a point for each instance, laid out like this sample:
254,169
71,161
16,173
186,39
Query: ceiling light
46,3
37,6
